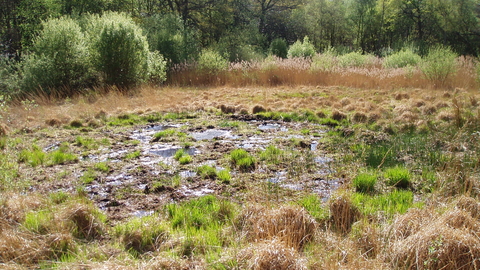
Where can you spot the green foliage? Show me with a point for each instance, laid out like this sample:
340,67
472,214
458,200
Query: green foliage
167,35
88,143
34,158
439,64
325,61
303,49
224,176
88,177
404,58
365,182
119,49
207,172
140,235
395,202
133,155
38,221
183,157
211,62
157,68
398,177
60,156
242,160
279,47
10,79
59,58
314,207
355,59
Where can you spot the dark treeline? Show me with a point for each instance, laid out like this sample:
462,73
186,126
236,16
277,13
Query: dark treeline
246,27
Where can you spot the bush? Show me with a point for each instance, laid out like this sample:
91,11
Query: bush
303,49
403,58
119,49
439,64
355,59
325,61
157,67
279,47
59,57
211,62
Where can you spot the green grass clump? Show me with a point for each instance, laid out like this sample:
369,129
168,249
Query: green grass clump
102,167
207,172
183,157
3,142
59,157
365,182
313,205
242,160
133,155
272,155
164,133
201,220
398,177
88,143
140,235
38,221
224,176
34,157
125,120
395,202
88,177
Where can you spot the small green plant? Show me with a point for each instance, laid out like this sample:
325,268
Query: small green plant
183,157
164,133
102,167
88,143
242,160
60,156
33,158
38,221
398,177
224,176
313,204
207,171
395,202
365,182
88,177
59,197
133,155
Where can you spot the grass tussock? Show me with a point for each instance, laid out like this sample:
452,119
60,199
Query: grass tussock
343,213
449,241
270,254
291,225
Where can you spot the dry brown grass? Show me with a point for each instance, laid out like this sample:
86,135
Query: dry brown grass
343,213
291,225
271,254
447,241
82,222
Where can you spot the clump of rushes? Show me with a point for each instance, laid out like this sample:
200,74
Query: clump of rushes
242,160
207,172
224,176
102,167
140,235
365,182
37,156
183,157
398,177
167,135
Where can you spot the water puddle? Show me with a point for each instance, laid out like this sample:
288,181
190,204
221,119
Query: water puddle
169,151
272,127
211,134
196,193
142,213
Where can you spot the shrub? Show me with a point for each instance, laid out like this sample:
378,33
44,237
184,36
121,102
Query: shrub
279,47
211,62
398,177
303,49
439,64
119,49
365,182
403,58
157,68
355,59
59,58
325,61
